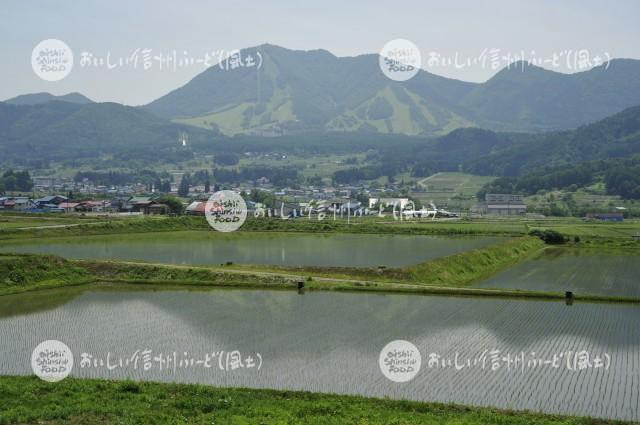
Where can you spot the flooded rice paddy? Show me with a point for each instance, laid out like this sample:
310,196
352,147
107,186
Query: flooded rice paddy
206,248
330,342
582,272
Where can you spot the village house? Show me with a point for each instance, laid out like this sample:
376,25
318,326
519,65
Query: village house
68,207
50,201
615,216
504,204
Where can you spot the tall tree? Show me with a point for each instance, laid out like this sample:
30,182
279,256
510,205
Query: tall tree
183,188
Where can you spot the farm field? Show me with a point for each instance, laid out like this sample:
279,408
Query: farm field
291,332
25,221
210,248
567,269
451,190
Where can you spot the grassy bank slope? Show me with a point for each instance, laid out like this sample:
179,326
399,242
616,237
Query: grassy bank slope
76,401
19,273
465,268
361,225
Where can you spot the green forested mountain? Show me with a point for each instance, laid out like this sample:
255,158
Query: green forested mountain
43,97
315,90
607,151
62,130
525,97
312,90
528,161
615,136
621,176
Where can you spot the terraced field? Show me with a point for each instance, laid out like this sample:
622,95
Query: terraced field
451,190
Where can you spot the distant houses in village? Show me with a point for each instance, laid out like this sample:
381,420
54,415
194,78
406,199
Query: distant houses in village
613,216
61,204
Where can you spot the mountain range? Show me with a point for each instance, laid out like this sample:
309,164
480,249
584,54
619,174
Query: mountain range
295,91
485,152
57,130
43,97
319,103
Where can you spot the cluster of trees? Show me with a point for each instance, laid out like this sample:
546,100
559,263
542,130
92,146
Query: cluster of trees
621,177
261,196
175,205
623,181
551,237
279,176
352,175
118,178
202,177
226,158
15,181
106,178
387,168
162,186
578,176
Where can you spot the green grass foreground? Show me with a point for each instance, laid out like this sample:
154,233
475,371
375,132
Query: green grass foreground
79,401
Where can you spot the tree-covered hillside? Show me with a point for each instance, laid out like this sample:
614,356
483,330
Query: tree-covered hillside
294,91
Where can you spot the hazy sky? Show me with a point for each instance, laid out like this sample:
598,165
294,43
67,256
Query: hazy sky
345,28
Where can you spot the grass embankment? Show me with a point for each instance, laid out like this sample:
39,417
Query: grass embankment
371,225
80,401
592,233
110,226
26,272
19,273
463,269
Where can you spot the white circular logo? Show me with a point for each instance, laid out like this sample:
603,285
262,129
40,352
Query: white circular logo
400,361
226,211
400,59
52,360
52,60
